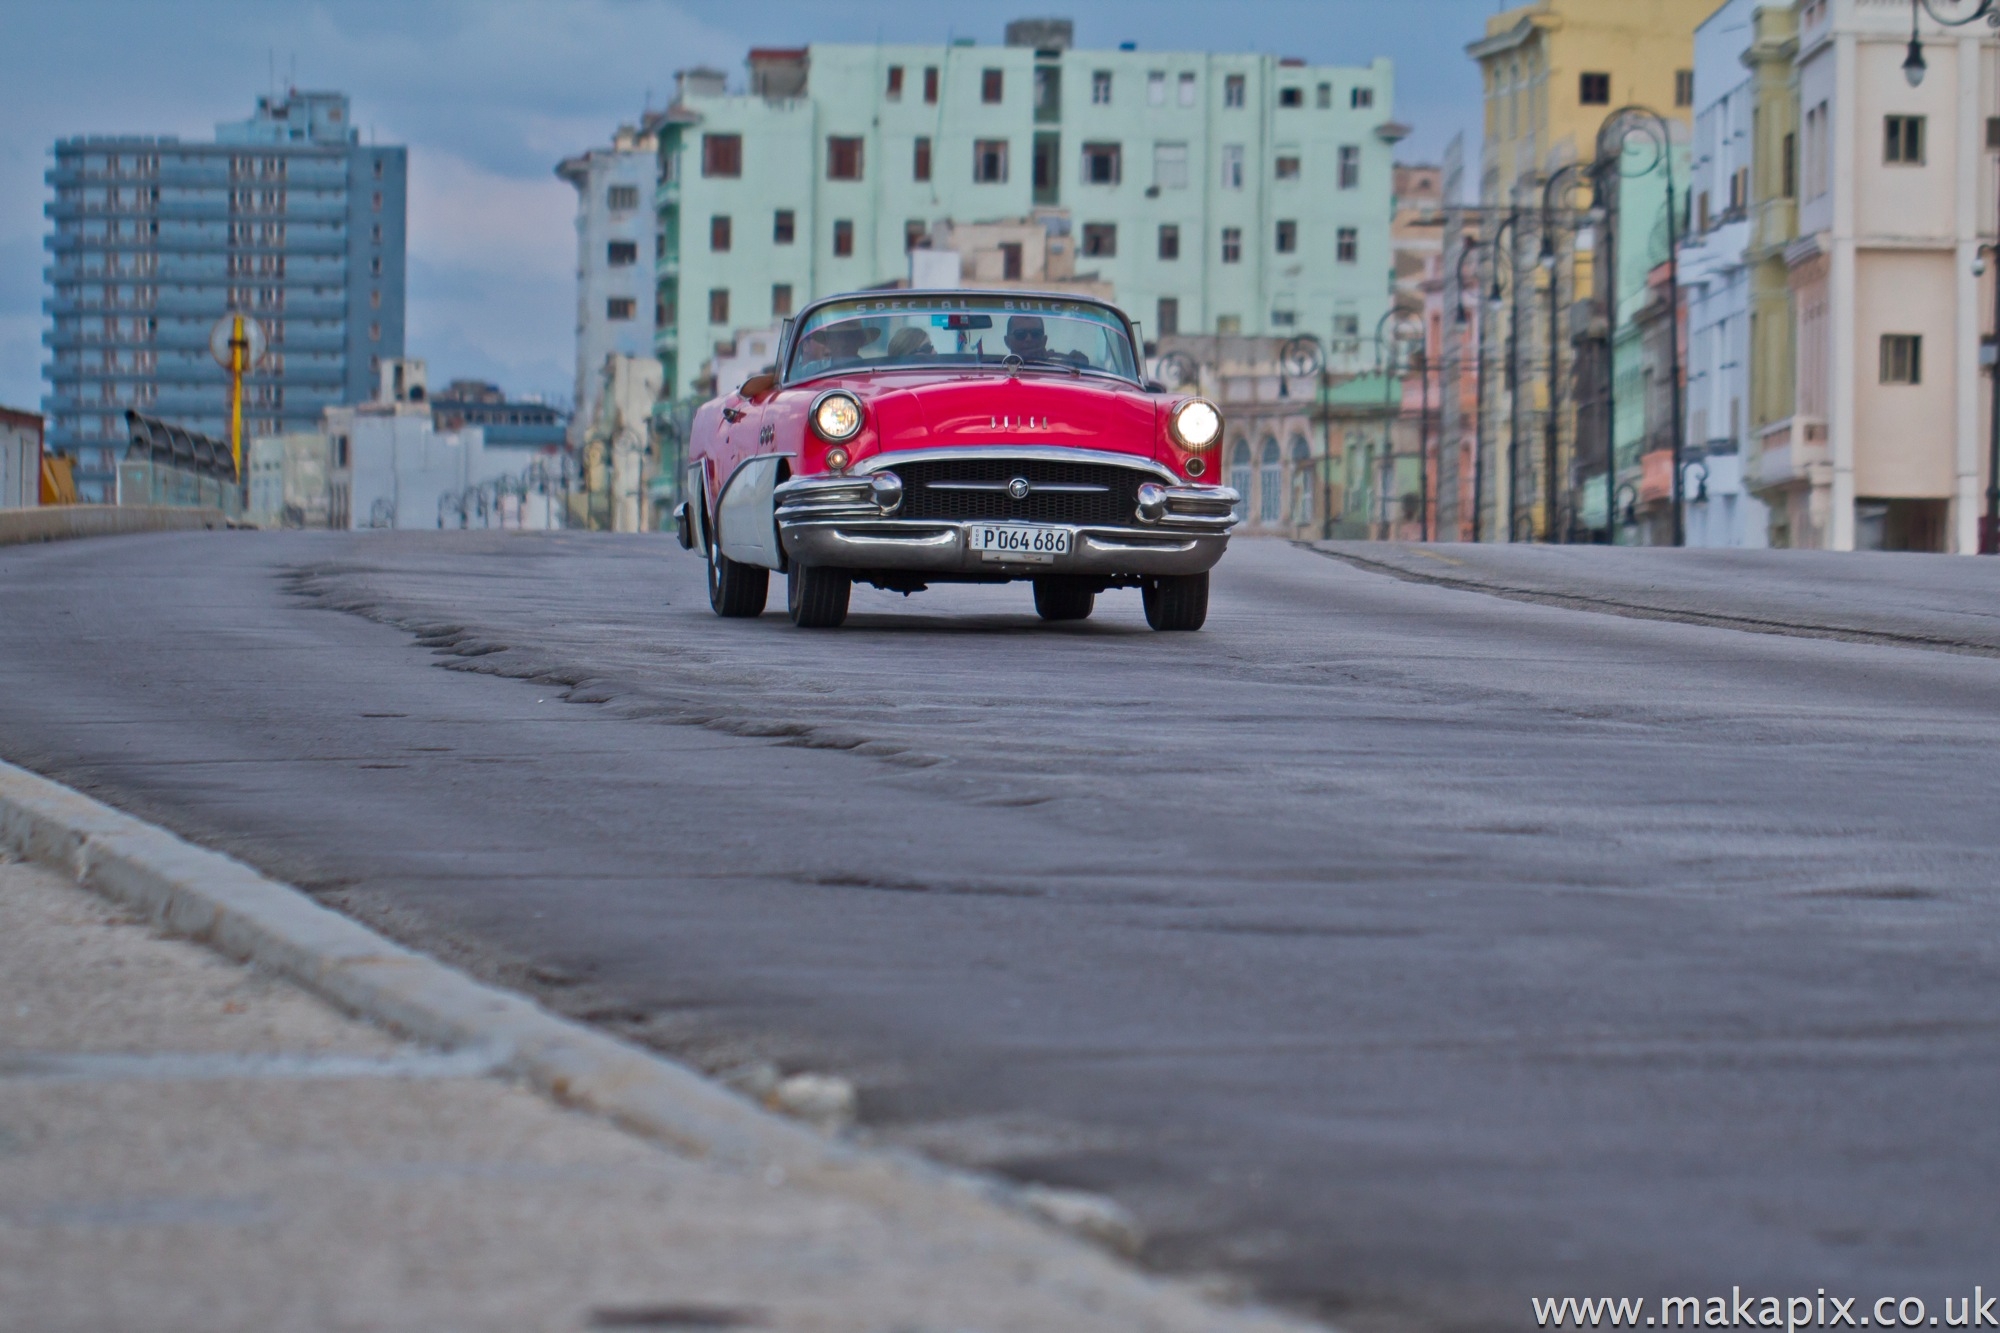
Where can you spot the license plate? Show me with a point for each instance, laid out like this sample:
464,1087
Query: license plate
1016,542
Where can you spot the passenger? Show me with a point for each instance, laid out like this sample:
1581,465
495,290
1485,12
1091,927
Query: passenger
910,344
838,342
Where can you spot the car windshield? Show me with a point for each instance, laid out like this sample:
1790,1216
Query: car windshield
971,330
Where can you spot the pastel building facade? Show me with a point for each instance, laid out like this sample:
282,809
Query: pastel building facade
1233,194
617,256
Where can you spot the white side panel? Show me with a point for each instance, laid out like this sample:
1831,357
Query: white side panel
749,530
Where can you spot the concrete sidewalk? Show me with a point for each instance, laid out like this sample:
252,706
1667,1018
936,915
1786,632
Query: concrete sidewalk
189,1144
1946,603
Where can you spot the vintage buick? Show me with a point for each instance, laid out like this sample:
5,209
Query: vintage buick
909,438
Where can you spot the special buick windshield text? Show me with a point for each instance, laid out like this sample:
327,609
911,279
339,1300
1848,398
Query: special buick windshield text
957,437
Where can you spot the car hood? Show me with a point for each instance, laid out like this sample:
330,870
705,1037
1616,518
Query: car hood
1031,410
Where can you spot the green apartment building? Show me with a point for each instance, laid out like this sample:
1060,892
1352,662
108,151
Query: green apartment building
1229,194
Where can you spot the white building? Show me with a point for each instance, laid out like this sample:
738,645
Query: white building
621,436
20,458
1715,286
616,254
1895,192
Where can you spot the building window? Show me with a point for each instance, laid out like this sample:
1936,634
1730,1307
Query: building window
1102,163
920,164
914,233
1902,358
374,301
1185,90
623,254
989,162
1347,327
843,158
1993,134
1905,141
659,314
1683,87
843,238
620,307
1270,483
1284,319
1233,90
1286,168
895,89
1350,167
378,168
1100,88
1595,90
1100,240
1789,166
1323,96
1232,166
1010,261
781,299
622,198
377,202
375,333
1288,236
1170,241
784,227
1232,245
1239,462
374,233
718,305
722,155
1347,245
990,86
1170,166
719,233
1291,97
930,85
375,266
1360,99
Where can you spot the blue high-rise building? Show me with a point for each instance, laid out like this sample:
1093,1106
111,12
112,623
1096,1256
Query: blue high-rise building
287,217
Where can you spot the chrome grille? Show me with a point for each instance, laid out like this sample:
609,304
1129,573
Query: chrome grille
967,489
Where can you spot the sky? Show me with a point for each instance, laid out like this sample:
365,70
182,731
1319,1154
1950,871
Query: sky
490,94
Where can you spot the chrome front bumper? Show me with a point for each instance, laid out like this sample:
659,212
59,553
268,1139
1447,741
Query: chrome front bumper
849,522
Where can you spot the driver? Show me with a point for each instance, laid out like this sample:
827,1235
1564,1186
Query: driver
1028,339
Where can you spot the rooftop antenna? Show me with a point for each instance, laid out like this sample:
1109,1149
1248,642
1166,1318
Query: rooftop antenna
292,80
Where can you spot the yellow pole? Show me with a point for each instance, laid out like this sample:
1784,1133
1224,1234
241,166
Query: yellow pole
239,356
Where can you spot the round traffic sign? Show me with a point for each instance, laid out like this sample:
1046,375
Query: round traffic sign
225,329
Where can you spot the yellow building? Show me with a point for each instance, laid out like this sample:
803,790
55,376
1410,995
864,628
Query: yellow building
1553,71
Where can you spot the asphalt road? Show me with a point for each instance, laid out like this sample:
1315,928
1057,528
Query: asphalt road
1405,950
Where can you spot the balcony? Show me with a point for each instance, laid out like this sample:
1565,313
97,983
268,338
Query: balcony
1792,452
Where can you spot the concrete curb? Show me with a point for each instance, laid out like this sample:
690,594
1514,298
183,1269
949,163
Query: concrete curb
223,903
54,523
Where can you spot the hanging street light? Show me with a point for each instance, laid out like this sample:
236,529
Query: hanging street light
1914,67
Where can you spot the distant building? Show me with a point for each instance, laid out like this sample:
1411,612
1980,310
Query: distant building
288,217
617,255
1884,444
622,452
1554,71
1715,286
524,424
1233,194
20,458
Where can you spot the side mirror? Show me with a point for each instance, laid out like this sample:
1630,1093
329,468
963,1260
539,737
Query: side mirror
758,385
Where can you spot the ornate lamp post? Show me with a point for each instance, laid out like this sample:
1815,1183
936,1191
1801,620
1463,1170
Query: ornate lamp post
1914,70
1618,127
1471,249
1551,437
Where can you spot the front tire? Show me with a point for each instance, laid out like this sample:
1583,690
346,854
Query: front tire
1064,599
817,597
1179,602
736,591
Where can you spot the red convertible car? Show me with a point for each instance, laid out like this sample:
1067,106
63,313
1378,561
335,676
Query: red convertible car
910,438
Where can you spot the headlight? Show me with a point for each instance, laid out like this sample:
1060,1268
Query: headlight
836,415
1196,424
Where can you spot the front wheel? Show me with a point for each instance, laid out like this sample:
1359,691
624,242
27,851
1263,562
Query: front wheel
817,597
1179,602
735,590
1063,599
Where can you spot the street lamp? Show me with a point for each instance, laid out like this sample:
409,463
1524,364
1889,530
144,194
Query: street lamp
1472,248
1550,425
1617,128
1496,301
1914,68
